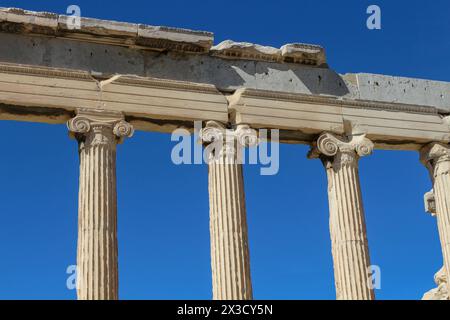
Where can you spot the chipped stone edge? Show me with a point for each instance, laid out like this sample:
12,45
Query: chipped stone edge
121,33
300,53
158,38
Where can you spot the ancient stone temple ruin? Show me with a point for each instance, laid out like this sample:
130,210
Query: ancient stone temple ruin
106,79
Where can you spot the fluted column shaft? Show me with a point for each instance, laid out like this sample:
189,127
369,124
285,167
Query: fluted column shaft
230,261
436,157
347,222
440,278
97,254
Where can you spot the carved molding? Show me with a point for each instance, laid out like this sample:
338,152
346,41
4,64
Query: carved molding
168,84
127,80
44,71
300,97
292,52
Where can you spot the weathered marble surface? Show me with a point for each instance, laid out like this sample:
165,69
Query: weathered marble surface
441,292
158,38
294,52
349,244
106,48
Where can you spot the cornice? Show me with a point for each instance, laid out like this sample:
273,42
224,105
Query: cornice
155,38
159,38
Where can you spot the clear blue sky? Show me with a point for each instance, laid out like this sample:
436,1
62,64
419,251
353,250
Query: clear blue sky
163,208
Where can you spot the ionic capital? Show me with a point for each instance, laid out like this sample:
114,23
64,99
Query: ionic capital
222,142
216,131
212,131
246,136
330,145
103,126
434,153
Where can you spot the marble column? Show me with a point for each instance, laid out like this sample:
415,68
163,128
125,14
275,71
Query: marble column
230,261
97,133
436,157
349,243
440,278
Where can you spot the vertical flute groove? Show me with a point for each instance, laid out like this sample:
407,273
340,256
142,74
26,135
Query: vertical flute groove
97,132
97,244
349,243
436,157
442,187
229,240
